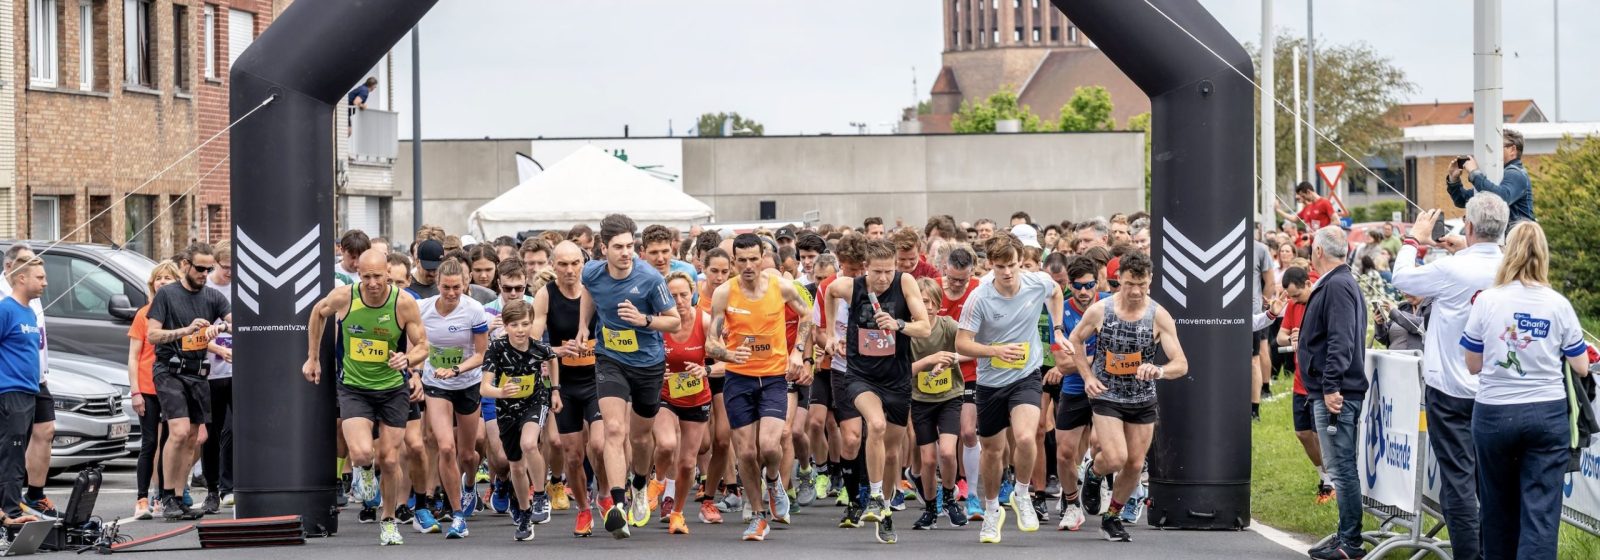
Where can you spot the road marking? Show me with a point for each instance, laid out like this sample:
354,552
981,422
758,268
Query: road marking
1281,538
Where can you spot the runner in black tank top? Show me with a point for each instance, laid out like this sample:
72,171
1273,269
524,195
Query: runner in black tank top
557,318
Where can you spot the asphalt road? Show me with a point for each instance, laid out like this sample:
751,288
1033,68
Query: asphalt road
814,534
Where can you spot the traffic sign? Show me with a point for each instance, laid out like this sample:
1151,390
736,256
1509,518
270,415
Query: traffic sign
1331,172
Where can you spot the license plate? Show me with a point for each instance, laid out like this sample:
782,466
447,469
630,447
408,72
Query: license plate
119,431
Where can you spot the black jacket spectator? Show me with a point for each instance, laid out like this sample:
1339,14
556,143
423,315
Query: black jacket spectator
1332,354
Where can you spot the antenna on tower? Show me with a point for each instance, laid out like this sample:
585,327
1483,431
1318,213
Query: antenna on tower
916,100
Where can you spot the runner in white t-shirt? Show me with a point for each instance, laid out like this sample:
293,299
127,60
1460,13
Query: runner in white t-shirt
458,336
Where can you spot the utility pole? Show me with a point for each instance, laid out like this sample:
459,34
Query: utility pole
416,129
1299,159
1269,117
1556,33
1487,88
1311,92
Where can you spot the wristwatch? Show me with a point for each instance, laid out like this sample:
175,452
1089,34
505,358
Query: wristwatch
648,319
900,325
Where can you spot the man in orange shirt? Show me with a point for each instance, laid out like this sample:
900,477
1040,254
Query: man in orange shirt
747,332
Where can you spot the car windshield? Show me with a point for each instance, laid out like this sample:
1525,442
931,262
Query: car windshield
138,264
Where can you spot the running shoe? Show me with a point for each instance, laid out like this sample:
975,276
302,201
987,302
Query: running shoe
188,501
778,500
364,484
929,520
538,512
141,509
1041,506
469,499
458,528
639,508
653,491
483,474
758,529
617,522
1091,491
1027,517
1006,486
822,484
885,533
1135,507
852,517
424,522
227,500
961,489
1072,518
559,500
367,515
730,502
842,499
212,505
675,524
898,502
953,510
1053,486
709,514
876,510
517,515
908,487
1111,529
805,487
171,509
605,503
992,522
389,533
524,527
584,525
500,496
974,508
1339,551
404,514
669,505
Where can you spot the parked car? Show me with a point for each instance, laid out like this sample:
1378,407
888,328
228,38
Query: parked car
93,295
91,424
113,374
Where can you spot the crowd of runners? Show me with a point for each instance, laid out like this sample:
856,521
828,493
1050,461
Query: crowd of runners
658,377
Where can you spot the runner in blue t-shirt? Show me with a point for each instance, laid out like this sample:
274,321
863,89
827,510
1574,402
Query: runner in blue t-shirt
1079,276
19,384
631,306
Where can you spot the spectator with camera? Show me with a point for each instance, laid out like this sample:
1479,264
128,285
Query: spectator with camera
1515,188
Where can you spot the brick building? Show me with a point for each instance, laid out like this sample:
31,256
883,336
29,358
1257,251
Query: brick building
113,96
1028,46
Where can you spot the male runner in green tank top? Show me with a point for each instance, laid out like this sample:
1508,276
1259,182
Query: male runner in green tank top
372,390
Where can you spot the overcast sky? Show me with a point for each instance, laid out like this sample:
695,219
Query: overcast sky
526,68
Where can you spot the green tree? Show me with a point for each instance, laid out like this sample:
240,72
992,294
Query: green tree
1570,176
1141,122
1356,88
1000,106
711,124
1088,110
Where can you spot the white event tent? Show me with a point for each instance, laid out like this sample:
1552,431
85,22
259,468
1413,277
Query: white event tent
582,189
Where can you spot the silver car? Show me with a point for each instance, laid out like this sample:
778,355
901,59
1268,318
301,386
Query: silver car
91,423
113,374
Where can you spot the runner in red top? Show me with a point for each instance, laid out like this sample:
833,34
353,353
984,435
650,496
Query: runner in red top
1316,212
687,395
957,263
1297,288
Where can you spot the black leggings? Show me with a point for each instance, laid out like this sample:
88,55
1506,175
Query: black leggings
151,437
217,456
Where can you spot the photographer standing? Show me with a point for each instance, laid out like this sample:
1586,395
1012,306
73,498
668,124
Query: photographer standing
1514,187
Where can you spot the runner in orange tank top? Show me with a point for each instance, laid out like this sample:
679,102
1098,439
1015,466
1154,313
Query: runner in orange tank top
688,398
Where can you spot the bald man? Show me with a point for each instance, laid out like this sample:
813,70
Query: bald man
372,317
557,311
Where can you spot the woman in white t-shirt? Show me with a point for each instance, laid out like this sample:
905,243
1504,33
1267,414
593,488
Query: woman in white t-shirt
1517,337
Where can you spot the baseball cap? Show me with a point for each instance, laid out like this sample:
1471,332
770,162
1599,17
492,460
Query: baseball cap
430,253
1026,234
785,232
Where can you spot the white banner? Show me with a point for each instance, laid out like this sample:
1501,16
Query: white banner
1582,488
1391,420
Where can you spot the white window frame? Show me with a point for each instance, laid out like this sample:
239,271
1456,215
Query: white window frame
43,49
132,55
211,41
86,54
55,216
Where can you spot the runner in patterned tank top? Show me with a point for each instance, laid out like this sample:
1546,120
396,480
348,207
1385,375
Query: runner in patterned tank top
372,319
557,312
1128,326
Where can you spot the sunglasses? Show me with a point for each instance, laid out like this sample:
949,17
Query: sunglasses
1114,283
510,288
203,269
1084,285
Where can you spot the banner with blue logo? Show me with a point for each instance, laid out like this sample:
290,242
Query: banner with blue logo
1581,490
1391,422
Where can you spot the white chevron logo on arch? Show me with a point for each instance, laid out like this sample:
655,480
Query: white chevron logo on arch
1183,261
259,268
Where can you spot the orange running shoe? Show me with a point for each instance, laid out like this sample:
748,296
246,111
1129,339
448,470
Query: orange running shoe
653,493
676,526
709,514
585,525
757,531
